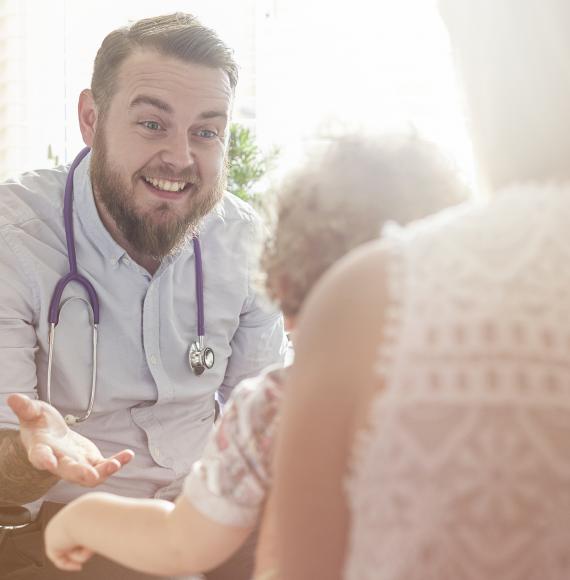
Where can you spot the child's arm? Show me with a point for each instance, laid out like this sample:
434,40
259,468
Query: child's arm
148,535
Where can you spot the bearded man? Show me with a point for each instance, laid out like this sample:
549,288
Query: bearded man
157,121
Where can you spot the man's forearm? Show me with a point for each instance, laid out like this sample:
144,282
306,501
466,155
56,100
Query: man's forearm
20,481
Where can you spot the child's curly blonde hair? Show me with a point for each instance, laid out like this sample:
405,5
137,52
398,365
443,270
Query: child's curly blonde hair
341,198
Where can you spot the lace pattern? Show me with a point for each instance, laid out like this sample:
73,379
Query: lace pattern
464,473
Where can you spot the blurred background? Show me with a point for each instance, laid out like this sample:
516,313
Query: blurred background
309,69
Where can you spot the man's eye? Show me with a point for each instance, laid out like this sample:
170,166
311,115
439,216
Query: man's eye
206,134
152,125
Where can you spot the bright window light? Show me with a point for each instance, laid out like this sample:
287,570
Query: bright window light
308,68
375,66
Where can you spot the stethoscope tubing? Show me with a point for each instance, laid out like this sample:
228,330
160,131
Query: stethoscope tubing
73,275
199,288
56,306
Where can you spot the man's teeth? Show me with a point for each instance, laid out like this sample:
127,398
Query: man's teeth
166,184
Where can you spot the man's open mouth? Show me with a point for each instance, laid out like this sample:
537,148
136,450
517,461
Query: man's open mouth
167,184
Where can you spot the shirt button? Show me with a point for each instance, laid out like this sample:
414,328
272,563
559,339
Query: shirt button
153,359
126,261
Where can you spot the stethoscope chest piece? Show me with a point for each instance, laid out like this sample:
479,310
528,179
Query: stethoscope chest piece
200,357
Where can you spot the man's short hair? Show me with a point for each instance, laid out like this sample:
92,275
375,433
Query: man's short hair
179,35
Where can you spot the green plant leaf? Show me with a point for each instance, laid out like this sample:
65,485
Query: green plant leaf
247,163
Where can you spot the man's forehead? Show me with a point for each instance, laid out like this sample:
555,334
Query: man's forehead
148,70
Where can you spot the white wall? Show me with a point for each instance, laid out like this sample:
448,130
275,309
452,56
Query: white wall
32,94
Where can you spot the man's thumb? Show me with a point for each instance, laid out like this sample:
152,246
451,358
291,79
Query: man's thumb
25,408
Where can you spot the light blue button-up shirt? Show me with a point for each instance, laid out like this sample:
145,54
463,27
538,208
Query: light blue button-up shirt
147,397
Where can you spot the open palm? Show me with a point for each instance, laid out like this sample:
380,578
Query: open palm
51,445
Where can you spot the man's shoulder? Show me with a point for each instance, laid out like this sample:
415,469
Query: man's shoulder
232,208
233,219
32,195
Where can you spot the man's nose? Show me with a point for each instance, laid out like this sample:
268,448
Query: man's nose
178,153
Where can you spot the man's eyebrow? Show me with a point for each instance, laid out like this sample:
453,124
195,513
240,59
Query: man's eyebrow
164,106
213,115
152,101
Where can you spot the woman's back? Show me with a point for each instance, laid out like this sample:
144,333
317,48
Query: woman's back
464,472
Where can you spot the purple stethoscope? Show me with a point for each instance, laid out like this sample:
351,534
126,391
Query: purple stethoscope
200,357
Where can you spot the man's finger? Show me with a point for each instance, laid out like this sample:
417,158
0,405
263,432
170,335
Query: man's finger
76,472
124,456
25,408
107,467
41,456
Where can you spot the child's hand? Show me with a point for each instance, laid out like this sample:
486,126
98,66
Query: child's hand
60,546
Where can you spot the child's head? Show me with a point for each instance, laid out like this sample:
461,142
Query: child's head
341,198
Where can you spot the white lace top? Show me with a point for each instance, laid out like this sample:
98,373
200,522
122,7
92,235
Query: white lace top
465,471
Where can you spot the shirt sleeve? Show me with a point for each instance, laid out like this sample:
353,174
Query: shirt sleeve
259,342
18,343
229,483
260,339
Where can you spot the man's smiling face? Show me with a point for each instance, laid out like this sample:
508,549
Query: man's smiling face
159,150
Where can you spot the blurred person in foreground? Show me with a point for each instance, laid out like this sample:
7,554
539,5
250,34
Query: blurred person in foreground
338,200
438,360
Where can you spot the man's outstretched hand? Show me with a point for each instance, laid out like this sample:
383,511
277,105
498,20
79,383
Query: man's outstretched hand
52,446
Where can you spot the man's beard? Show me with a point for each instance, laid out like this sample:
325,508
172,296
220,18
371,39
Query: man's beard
147,236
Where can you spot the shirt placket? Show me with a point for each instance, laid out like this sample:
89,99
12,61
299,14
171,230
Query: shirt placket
145,417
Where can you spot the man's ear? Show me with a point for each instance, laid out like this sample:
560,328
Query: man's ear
88,115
